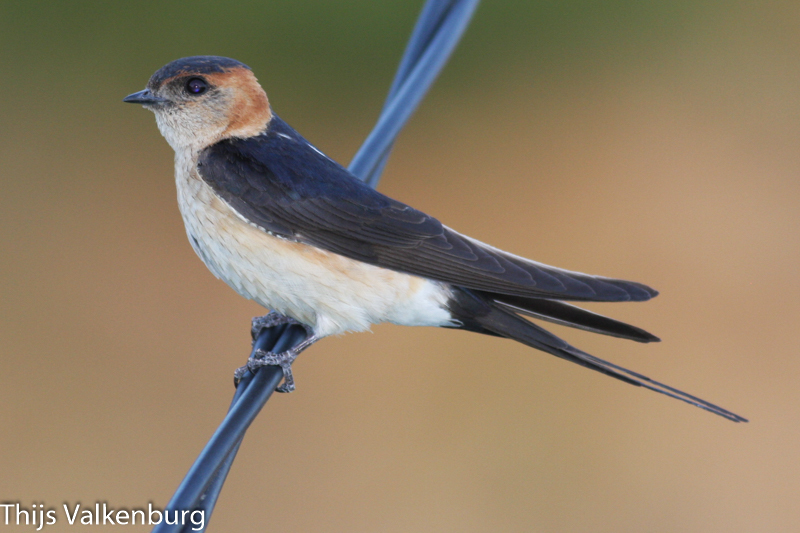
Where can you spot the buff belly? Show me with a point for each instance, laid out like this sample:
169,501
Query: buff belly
329,292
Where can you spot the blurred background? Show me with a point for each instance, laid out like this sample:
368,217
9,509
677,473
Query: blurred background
655,141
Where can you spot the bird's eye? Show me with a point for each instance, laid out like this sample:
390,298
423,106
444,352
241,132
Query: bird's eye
196,86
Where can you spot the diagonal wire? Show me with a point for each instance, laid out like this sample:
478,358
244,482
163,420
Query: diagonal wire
436,34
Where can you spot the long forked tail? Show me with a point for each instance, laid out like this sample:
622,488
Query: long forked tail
499,318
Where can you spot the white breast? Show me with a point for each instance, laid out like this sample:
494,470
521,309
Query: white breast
329,292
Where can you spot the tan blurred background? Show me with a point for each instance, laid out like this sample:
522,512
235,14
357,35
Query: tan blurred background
655,141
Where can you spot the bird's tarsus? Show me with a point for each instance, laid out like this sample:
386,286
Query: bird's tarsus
271,320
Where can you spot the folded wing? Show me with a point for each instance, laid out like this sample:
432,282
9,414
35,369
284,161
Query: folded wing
280,183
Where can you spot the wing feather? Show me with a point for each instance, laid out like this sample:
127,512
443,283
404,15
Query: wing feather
287,187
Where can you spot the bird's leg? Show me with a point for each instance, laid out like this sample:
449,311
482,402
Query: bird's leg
270,321
283,359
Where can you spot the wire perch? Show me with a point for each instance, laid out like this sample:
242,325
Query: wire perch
439,28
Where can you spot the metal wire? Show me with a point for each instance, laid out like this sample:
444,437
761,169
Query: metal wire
439,28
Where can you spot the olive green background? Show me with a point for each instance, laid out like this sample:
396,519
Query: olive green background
655,141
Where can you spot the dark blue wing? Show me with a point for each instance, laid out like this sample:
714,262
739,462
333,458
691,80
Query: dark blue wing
284,185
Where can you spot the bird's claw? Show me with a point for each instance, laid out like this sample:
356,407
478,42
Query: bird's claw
261,358
284,359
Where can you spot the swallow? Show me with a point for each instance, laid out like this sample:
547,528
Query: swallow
283,224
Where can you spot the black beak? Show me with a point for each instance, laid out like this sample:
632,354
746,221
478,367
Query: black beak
144,97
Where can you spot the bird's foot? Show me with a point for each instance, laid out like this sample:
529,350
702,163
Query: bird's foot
271,320
261,358
282,359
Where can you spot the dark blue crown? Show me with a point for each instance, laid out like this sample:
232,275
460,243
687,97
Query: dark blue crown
194,65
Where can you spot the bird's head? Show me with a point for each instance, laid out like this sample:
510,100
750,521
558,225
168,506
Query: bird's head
201,100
